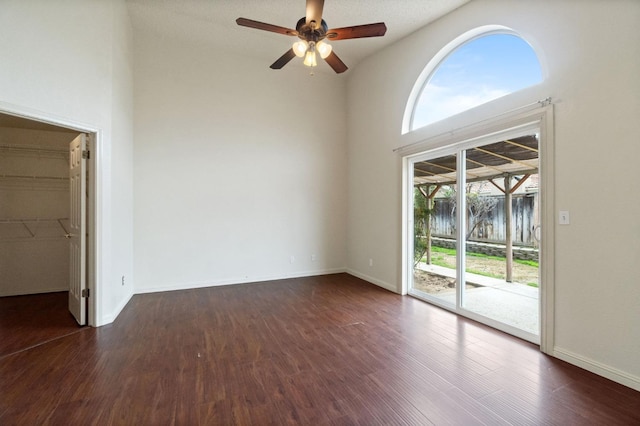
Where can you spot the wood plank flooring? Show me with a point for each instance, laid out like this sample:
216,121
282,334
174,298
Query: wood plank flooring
330,350
26,321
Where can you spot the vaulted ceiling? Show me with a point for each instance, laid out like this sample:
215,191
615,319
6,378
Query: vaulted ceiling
212,23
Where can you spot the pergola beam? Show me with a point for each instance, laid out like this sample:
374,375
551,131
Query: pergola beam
502,157
530,171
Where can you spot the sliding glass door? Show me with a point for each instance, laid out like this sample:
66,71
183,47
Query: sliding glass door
435,275
483,198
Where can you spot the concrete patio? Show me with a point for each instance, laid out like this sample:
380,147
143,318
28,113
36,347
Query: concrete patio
514,304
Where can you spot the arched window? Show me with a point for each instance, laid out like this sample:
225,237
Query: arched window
471,72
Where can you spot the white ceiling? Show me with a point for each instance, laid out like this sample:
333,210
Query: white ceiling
212,23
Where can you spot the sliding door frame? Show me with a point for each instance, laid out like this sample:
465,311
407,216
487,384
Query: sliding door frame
537,120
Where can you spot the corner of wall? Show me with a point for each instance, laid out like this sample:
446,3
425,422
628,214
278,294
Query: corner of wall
110,317
387,286
598,368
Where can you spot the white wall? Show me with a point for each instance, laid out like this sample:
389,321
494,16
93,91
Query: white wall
34,213
122,164
589,50
66,61
237,168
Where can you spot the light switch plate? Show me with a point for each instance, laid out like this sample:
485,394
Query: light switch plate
563,217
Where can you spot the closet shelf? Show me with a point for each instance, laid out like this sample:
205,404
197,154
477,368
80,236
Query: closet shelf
32,219
27,177
34,228
34,150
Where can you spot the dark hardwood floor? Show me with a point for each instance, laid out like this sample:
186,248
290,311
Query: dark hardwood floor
31,320
320,350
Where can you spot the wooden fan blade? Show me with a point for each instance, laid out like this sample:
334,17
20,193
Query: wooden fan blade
283,60
336,63
314,11
265,27
357,31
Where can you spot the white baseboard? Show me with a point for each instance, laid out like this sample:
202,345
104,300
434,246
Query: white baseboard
111,317
598,368
373,280
236,280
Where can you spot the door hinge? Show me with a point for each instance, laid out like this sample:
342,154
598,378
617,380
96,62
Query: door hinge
86,155
85,292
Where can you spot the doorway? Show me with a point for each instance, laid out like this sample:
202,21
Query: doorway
483,195
36,215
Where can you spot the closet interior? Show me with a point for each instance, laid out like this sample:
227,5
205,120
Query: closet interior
34,207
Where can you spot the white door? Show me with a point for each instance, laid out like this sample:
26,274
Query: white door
77,231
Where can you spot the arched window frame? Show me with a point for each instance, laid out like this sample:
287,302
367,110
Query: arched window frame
440,57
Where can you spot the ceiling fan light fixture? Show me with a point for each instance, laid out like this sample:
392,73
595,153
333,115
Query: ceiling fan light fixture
300,48
310,57
324,49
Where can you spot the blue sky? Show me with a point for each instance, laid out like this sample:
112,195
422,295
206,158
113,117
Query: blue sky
475,73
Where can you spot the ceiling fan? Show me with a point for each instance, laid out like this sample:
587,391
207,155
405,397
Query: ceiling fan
313,32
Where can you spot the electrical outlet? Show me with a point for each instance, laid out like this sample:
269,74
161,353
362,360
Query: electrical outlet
370,262
563,218
314,258
292,259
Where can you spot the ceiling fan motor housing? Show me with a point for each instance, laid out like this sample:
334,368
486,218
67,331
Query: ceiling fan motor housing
311,32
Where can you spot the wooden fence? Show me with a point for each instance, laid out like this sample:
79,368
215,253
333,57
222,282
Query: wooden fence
524,221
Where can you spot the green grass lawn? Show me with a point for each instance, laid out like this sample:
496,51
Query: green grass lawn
452,252
445,257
